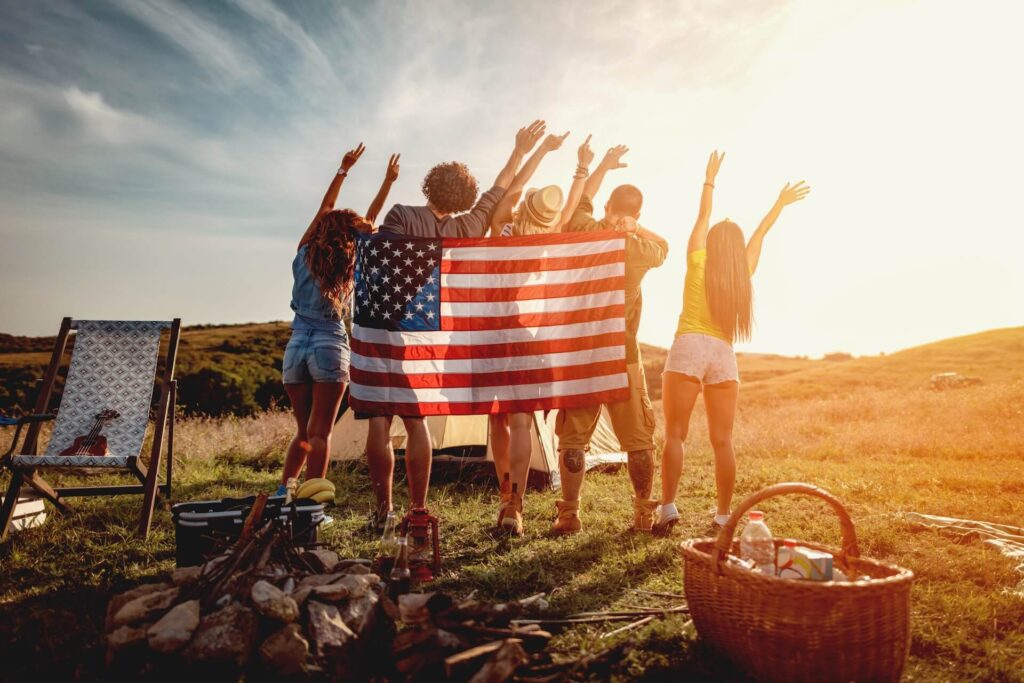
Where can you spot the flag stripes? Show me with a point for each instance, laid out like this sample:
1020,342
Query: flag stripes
488,325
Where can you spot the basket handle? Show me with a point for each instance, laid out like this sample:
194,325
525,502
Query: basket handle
725,535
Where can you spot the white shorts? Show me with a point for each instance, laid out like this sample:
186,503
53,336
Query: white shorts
707,358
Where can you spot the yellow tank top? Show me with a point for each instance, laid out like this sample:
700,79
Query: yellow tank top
696,316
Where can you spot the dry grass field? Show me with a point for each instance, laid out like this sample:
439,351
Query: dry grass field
869,430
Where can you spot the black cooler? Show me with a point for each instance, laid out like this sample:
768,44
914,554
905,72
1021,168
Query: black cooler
202,525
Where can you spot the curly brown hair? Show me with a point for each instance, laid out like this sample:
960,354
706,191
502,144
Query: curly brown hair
450,187
332,254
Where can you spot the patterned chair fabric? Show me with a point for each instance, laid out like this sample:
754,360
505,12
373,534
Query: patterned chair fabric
113,366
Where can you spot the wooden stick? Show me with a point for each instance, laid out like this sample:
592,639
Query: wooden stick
659,595
627,627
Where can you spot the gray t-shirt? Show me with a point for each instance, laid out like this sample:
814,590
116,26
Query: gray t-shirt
420,221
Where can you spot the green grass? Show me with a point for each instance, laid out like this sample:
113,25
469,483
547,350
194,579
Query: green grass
864,429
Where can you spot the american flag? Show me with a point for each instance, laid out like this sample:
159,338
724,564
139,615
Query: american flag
474,326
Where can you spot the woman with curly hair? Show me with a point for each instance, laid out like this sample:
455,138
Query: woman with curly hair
316,360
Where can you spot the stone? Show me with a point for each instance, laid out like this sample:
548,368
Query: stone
271,601
146,607
348,565
284,652
301,594
326,560
226,636
359,613
333,592
314,580
357,569
122,599
186,577
124,639
327,630
175,628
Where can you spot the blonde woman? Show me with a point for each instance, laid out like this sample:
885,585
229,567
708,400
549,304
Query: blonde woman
538,213
718,310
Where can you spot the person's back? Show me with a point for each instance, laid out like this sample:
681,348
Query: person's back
451,191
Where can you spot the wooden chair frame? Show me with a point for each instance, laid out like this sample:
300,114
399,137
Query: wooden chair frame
148,476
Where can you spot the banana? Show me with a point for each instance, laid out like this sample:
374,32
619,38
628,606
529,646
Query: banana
311,487
323,497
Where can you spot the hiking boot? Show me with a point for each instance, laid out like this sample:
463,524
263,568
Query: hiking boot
568,520
510,516
643,514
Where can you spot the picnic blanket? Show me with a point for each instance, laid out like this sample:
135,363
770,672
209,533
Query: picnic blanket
1009,540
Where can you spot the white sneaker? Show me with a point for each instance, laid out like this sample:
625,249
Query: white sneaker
665,517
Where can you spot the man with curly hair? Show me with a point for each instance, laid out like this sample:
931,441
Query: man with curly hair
451,191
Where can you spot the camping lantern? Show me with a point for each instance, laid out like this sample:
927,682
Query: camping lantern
422,530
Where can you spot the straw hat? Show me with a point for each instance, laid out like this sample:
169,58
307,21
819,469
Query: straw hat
542,207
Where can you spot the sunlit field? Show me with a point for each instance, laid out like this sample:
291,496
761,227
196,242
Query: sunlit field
869,430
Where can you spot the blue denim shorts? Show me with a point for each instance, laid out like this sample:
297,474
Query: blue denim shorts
316,356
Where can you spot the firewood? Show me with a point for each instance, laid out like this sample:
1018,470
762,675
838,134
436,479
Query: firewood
628,627
461,663
533,641
502,664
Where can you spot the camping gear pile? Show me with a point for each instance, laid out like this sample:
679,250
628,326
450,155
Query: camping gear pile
780,629
269,608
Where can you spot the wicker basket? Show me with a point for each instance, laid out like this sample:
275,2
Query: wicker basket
794,630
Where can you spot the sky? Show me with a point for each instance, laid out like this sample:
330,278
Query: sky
162,158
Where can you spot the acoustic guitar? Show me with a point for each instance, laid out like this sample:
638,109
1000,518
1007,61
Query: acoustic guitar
93,443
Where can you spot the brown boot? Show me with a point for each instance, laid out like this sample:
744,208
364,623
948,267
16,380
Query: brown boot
568,520
643,514
510,517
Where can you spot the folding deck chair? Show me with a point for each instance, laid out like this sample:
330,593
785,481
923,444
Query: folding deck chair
113,368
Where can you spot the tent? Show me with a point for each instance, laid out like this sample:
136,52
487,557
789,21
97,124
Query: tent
461,444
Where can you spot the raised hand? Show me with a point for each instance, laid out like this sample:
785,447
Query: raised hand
351,157
392,173
584,154
714,163
613,157
793,193
553,142
527,137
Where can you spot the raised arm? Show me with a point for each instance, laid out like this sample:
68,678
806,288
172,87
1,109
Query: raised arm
612,160
699,235
526,138
584,155
503,212
788,195
390,176
331,196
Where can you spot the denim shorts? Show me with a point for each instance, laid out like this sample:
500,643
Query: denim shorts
316,356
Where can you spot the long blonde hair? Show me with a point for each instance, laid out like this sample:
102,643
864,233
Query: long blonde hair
727,281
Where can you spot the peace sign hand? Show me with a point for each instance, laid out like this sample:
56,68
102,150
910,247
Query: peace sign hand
351,157
392,172
527,137
714,163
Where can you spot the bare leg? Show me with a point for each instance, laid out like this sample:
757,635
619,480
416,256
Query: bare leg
720,401
418,456
572,466
679,394
326,400
380,457
500,439
519,448
301,397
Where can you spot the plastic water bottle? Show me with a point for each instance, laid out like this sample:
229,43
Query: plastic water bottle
756,544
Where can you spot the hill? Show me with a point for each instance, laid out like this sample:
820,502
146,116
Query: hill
236,369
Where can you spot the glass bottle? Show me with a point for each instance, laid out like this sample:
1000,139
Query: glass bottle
400,568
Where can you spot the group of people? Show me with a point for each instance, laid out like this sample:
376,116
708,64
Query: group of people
717,311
